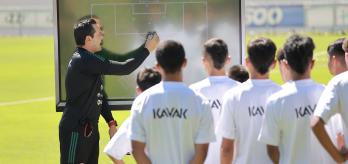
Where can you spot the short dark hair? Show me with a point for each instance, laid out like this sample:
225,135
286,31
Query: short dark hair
298,51
217,50
147,78
335,48
170,55
261,53
238,73
280,55
82,29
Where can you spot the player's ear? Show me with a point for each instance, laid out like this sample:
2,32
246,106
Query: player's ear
312,63
247,62
273,65
228,60
333,59
285,63
138,90
88,39
204,58
157,67
184,63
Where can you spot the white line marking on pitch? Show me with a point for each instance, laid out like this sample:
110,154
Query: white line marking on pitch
25,101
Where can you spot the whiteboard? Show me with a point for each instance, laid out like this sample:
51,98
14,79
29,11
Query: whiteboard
126,23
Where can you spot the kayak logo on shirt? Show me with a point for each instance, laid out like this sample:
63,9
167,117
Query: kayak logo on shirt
255,110
304,111
215,104
159,113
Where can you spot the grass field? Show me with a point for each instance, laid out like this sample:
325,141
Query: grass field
29,130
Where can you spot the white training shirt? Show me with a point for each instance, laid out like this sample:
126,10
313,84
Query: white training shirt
119,145
334,126
318,154
213,88
335,100
170,119
286,123
241,118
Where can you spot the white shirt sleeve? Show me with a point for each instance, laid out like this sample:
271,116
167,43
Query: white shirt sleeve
270,131
206,126
136,130
328,103
226,126
119,145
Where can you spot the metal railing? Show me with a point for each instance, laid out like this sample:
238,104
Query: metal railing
26,21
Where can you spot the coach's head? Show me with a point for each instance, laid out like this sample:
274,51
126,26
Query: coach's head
298,56
88,35
170,56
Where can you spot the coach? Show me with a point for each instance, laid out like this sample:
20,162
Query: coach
78,128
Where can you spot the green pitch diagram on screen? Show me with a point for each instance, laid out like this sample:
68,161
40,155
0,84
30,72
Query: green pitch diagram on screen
126,23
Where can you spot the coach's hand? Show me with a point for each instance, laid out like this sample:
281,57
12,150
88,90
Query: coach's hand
112,131
152,40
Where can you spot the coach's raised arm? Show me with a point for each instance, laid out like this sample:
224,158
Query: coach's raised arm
111,67
78,128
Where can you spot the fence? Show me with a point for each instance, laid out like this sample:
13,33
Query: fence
26,21
260,15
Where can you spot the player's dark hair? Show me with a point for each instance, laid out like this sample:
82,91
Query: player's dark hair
170,55
335,48
217,50
261,53
238,73
298,51
147,78
280,55
82,29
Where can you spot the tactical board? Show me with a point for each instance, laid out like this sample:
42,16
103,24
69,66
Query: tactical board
126,23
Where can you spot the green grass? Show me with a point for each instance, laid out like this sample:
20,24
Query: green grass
29,132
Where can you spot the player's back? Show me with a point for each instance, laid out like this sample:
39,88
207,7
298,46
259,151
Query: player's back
291,109
174,119
241,120
213,88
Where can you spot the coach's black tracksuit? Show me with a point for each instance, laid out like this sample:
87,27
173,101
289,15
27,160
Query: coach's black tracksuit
84,92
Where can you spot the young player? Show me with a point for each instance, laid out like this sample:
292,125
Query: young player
244,106
213,87
332,101
335,127
169,120
285,128
318,154
238,73
336,62
120,145
337,65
